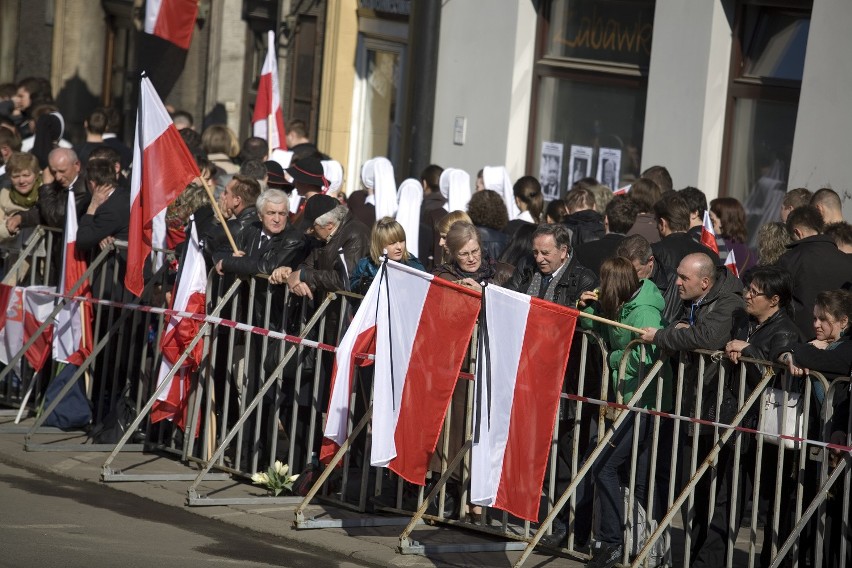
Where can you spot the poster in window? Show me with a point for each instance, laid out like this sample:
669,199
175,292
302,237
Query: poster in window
580,165
609,167
550,170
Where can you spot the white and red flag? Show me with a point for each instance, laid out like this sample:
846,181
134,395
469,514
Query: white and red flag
27,308
424,325
165,42
708,235
268,118
162,168
523,352
731,263
72,337
359,338
171,20
189,296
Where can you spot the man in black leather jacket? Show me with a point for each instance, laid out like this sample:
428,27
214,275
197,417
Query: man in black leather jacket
266,244
238,207
556,275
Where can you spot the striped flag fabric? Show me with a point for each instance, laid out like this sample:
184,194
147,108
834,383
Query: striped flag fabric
162,168
189,296
708,235
523,353
424,325
72,337
166,39
268,118
731,263
171,20
359,338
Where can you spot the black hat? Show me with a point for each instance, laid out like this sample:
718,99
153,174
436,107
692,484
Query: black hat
319,205
275,174
309,171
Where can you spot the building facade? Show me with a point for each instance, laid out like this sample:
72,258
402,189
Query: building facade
735,97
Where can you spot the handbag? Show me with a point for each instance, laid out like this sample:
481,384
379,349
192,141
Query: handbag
774,420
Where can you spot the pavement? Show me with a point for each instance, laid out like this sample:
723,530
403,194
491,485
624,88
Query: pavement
364,545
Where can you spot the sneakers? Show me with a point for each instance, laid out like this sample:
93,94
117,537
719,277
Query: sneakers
605,555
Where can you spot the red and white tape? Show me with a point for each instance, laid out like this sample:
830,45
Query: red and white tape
468,376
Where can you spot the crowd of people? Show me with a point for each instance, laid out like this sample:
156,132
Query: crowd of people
635,258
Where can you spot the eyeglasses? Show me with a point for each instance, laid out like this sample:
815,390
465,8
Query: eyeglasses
475,253
752,292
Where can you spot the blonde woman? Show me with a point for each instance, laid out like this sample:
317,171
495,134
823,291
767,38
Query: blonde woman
387,235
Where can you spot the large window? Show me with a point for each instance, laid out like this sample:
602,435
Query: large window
589,94
768,59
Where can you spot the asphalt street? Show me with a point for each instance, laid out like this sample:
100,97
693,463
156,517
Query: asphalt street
49,520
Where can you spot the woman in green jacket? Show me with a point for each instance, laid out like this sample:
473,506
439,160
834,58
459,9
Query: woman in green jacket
638,303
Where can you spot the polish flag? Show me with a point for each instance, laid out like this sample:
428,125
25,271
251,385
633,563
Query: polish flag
359,338
268,118
72,339
190,292
38,304
423,328
25,310
731,263
708,235
622,190
523,352
162,168
171,20
6,291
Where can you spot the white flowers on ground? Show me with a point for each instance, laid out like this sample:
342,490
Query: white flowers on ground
275,478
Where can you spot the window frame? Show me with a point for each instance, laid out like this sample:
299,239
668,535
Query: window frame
754,88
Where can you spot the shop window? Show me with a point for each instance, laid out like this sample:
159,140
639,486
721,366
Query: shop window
766,72
589,92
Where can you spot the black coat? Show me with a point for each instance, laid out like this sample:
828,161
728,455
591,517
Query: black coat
283,249
671,249
816,265
327,268
665,280
112,219
833,362
575,280
51,205
777,331
720,312
592,254
494,241
586,226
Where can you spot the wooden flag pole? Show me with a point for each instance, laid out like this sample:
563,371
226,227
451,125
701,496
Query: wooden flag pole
218,212
638,330
269,124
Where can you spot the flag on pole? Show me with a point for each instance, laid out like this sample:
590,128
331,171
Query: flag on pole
359,338
6,291
708,235
162,168
189,295
268,118
164,44
731,263
72,338
523,351
38,304
424,325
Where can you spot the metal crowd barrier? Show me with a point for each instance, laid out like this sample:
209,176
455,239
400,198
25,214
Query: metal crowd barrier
26,262
251,404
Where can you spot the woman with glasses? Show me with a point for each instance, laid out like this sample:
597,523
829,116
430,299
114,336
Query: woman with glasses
768,295
467,263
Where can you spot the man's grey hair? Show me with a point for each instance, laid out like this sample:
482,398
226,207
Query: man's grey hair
270,196
335,216
558,231
68,153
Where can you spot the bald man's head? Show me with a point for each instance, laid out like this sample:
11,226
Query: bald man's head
696,274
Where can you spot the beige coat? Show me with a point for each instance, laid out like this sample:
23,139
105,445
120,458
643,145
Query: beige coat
7,208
